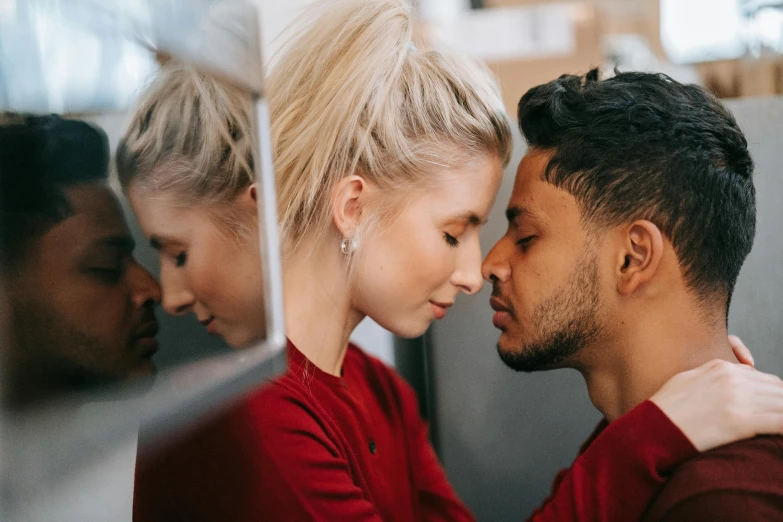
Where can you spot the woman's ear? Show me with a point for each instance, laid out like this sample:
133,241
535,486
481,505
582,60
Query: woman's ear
347,200
248,198
639,257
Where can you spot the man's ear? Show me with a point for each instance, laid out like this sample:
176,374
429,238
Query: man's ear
639,257
347,200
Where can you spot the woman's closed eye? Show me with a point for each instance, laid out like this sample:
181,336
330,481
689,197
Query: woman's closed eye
451,240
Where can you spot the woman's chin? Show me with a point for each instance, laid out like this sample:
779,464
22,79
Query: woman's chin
243,340
410,330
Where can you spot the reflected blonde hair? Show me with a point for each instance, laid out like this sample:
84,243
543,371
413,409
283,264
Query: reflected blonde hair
190,136
351,95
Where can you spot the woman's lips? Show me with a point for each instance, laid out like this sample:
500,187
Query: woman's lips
209,324
439,309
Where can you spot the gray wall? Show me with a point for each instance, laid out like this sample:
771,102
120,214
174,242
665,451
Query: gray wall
757,308
501,435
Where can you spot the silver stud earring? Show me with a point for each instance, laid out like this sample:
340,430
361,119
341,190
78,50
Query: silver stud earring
348,246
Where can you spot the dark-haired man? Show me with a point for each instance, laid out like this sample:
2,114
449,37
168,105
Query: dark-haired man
631,215
79,308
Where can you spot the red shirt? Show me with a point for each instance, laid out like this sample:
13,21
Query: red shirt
733,483
619,469
312,446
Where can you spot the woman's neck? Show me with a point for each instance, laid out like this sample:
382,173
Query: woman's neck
319,318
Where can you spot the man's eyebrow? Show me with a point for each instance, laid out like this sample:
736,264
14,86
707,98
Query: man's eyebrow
125,243
514,212
158,242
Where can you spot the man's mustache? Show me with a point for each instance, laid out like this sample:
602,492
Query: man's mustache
498,299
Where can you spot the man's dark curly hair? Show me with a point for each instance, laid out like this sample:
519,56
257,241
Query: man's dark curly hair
39,157
643,146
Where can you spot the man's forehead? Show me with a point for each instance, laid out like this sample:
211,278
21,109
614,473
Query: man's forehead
528,183
533,166
537,198
96,216
96,202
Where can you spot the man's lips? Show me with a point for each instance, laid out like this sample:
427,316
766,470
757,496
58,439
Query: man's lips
503,315
498,305
144,337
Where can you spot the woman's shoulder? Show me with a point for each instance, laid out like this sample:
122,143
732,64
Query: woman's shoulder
284,395
301,385
288,409
382,374
358,357
357,352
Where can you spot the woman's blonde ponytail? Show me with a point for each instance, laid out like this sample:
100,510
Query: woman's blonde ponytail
350,95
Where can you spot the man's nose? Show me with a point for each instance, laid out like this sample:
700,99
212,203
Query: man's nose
146,290
496,267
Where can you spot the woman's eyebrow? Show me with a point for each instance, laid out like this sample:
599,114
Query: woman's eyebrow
470,218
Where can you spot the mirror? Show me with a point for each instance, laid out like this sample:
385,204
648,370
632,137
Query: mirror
88,354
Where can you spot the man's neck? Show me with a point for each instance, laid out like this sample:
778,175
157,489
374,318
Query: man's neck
647,352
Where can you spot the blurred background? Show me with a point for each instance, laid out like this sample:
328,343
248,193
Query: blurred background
731,46
501,436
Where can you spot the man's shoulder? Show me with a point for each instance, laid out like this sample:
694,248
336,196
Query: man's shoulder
752,467
746,460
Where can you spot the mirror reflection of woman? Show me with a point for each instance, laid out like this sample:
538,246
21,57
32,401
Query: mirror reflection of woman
388,160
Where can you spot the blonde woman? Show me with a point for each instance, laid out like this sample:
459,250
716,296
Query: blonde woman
388,161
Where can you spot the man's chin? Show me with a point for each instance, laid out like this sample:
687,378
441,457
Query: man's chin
143,371
524,359
138,380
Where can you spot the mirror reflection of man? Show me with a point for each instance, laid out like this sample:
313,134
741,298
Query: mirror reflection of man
80,308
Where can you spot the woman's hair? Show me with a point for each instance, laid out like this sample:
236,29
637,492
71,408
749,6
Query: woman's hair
349,95
190,136
352,95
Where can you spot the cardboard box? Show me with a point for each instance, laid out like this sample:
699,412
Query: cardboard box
600,18
743,77
614,17
517,75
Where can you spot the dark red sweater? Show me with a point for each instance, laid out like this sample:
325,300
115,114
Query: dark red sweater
312,446
733,483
